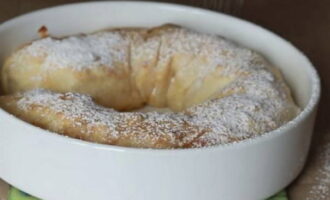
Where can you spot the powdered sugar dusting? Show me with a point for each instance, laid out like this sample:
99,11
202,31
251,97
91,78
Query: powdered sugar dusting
218,121
140,127
242,115
216,50
105,48
253,103
80,52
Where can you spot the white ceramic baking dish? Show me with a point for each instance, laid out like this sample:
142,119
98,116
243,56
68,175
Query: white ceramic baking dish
55,167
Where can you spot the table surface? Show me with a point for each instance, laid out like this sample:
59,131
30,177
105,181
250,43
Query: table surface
304,23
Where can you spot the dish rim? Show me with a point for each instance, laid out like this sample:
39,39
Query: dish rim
308,109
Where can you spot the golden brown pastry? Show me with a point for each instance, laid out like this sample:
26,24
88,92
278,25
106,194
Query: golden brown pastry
97,64
77,116
218,92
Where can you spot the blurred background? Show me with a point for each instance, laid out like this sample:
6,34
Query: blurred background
306,24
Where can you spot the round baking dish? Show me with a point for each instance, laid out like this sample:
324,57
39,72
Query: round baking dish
55,167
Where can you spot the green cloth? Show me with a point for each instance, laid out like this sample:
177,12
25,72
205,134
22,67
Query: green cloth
279,196
15,194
